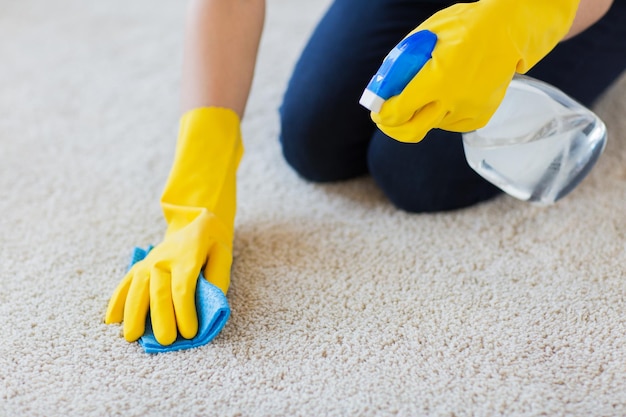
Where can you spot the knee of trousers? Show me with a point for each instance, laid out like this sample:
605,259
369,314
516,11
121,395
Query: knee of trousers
315,151
429,197
426,184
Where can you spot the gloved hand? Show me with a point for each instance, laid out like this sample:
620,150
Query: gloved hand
199,207
479,48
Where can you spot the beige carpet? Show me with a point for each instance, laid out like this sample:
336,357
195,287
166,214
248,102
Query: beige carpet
341,305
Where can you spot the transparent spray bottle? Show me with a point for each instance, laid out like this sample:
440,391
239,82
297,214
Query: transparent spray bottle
538,146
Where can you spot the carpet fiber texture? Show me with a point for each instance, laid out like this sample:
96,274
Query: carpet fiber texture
341,304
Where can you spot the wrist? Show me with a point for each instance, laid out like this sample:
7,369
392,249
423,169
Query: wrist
203,174
536,26
588,13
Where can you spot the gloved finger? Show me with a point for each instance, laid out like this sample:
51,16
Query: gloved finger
184,282
418,94
464,125
136,306
217,269
115,308
394,114
415,129
161,306
478,118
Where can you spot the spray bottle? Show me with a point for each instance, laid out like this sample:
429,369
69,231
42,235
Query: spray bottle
539,144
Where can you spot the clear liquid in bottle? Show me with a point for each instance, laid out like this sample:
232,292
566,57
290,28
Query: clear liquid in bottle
539,144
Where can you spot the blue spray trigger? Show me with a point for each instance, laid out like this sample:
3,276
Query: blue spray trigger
398,69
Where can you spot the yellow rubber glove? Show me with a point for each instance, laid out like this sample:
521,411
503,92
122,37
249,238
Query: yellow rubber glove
480,46
199,207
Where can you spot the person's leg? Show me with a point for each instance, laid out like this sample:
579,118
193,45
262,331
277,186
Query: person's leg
428,176
324,131
326,134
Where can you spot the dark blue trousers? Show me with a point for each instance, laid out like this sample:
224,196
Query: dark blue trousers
327,136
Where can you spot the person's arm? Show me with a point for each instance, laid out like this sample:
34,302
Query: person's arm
199,200
221,44
589,12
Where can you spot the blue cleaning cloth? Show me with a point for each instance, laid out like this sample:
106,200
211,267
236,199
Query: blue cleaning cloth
212,308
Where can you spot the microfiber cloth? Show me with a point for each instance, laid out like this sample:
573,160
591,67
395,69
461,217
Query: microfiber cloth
212,308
